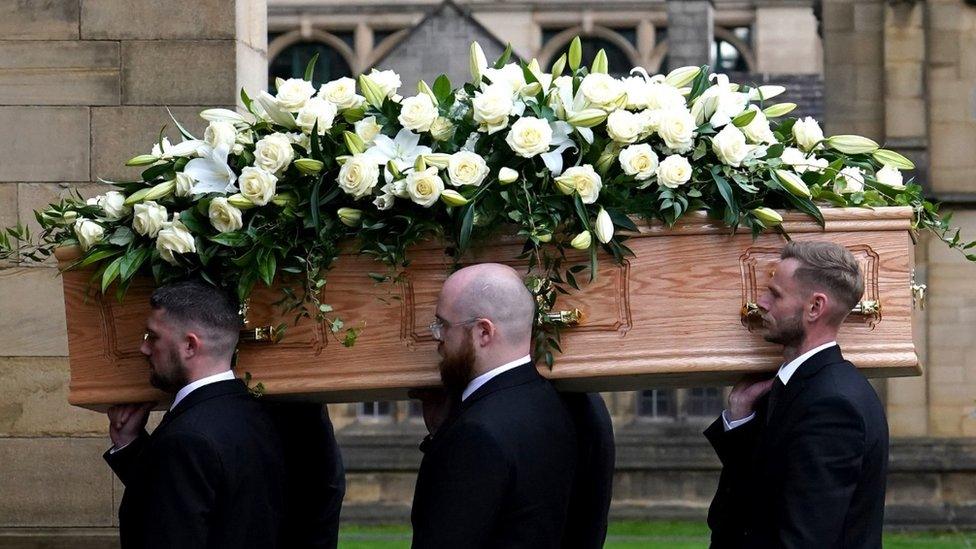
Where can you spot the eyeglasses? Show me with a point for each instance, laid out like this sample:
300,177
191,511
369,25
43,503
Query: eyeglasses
439,326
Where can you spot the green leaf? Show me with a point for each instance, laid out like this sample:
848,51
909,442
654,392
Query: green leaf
584,217
442,88
267,268
132,261
246,101
467,222
506,55
234,239
122,236
94,258
621,220
111,273
314,203
725,190
186,134
310,67
806,206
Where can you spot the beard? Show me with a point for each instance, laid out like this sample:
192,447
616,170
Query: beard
170,379
456,368
787,332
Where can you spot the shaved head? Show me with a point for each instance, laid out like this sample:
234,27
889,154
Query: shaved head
494,292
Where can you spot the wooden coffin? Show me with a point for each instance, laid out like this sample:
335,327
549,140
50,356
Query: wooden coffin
673,315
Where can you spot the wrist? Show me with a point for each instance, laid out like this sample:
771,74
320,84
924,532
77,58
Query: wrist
736,413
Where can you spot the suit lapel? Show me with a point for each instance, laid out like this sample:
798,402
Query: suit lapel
810,368
207,392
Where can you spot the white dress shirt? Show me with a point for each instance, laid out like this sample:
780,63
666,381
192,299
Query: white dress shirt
477,382
785,372
187,389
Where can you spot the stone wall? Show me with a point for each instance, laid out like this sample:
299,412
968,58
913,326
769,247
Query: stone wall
84,86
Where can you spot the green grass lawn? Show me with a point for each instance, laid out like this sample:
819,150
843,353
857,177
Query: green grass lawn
647,535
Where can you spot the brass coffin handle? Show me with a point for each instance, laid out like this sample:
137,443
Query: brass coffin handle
261,334
868,309
572,317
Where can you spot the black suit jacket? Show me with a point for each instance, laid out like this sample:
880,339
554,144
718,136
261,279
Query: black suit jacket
210,475
589,504
814,475
315,479
498,472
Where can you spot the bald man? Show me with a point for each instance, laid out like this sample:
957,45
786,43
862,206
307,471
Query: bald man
500,458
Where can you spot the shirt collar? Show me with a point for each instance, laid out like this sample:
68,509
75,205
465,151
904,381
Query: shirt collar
477,382
787,370
189,388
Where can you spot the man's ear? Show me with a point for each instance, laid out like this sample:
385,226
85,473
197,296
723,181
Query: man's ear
484,331
817,307
192,345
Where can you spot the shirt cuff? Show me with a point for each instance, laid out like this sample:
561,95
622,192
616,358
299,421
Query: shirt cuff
729,425
114,449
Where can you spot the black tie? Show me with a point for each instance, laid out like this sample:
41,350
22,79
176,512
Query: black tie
774,395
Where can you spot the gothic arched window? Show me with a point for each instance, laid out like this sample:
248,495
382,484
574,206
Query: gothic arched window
291,63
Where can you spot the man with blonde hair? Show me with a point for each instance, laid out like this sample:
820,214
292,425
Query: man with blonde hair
804,454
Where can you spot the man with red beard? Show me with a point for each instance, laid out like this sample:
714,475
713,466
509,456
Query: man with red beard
500,458
805,466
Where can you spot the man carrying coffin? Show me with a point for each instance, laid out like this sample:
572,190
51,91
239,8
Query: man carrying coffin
212,473
500,458
804,466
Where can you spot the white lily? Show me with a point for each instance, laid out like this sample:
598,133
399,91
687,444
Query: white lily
274,111
211,172
222,115
402,151
190,147
560,140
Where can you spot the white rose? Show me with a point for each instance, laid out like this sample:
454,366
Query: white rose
367,129
730,146
387,81
510,75
293,93
303,140
224,217
441,129
583,180
801,162
425,187
639,161
891,177
273,153
674,171
317,110
529,136
358,176
492,106
758,130
602,90
341,93
220,133
417,113
807,133
184,184
174,238
665,96
638,92
88,232
677,128
850,180
624,126
466,168
148,218
728,105
257,185
113,204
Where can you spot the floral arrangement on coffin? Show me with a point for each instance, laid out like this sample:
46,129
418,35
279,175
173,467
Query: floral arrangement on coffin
565,158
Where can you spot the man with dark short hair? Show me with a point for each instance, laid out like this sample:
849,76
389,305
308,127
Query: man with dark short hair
804,454
498,465
212,473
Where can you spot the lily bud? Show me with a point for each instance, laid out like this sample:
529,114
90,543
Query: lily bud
507,175
780,109
563,186
309,166
605,161
437,160
575,54
142,160
282,200
600,63
419,164
373,94
138,196
851,144
453,198
350,217
238,201
893,159
529,90
161,190
477,62
587,118
353,142
583,241
793,183
681,76
559,66
604,226
422,87
765,92
397,174
767,216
